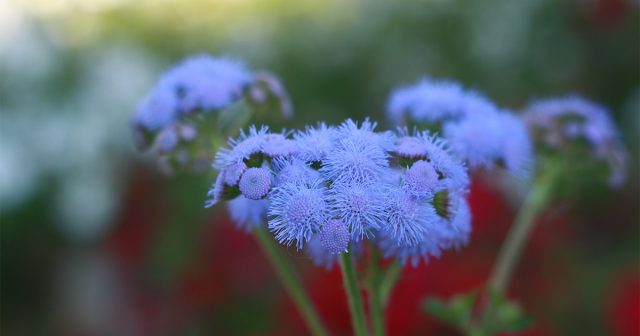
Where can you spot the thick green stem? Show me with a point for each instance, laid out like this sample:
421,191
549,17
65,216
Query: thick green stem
375,297
520,230
290,280
353,294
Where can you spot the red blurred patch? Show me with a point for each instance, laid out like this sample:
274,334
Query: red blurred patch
623,308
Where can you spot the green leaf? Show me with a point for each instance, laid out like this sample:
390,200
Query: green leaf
507,316
457,311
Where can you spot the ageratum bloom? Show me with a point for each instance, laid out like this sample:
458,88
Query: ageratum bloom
490,137
477,131
342,186
359,154
255,183
433,101
559,123
297,212
315,143
199,83
359,207
172,114
421,179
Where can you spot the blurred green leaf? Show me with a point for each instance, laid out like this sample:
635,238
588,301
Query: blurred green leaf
457,311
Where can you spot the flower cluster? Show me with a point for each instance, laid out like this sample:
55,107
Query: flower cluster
479,132
171,116
331,189
560,124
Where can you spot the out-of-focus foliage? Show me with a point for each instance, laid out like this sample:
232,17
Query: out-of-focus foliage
72,72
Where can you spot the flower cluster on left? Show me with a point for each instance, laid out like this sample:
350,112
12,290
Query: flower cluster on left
176,118
329,189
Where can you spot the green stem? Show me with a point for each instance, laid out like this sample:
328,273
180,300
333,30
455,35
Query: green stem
375,297
290,280
391,275
518,234
353,294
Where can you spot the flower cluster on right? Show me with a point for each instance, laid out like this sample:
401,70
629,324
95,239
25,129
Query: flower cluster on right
327,190
480,133
573,123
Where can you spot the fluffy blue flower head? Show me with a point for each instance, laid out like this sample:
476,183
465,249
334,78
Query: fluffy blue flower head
359,207
198,83
335,236
427,101
315,143
293,170
277,145
297,212
242,148
443,235
452,173
421,179
408,221
432,101
247,213
359,154
491,137
255,183
409,147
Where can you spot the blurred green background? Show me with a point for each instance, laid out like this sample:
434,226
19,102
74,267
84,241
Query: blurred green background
72,72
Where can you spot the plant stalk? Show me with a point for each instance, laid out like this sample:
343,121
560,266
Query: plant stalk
375,294
353,294
511,249
290,281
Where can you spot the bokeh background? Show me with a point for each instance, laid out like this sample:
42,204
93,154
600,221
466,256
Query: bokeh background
95,241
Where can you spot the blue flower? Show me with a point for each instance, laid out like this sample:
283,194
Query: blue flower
452,172
517,151
426,101
560,121
297,212
157,109
442,235
206,83
431,101
407,220
421,179
410,147
360,208
359,156
197,83
242,148
232,173
477,139
255,183
247,213
315,143
293,170
334,236
277,145
364,136
490,137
